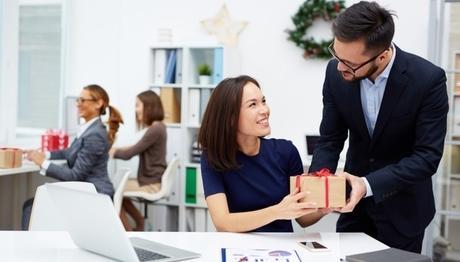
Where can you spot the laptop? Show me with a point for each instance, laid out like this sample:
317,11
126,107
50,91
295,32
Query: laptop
93,224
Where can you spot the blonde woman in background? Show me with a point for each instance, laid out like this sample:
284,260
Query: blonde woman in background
87,156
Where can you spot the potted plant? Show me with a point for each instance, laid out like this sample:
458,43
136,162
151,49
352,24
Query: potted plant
204,72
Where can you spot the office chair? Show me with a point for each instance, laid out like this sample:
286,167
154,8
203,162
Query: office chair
118,180
167,182
44,216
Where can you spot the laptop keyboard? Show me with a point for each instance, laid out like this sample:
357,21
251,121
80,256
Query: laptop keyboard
146,255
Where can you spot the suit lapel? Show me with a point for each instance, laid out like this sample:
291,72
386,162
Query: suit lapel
396,84
93,125
357,109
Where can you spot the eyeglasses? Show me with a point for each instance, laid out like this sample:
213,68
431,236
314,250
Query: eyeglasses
353,69
81,100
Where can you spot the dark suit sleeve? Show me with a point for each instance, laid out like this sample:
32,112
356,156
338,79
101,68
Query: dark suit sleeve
430,131
59,154
93,148
333,130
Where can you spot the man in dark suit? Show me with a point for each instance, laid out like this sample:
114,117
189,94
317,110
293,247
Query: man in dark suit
394,107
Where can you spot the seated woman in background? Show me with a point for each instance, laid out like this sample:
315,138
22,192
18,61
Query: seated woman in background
87,156
151,149
246,176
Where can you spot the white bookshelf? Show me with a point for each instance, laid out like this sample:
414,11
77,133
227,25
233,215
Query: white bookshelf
189,102
448,183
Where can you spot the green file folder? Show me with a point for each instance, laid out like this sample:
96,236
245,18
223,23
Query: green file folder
190,185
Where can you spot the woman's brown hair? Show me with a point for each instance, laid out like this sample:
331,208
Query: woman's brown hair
217,135
115,119
153,109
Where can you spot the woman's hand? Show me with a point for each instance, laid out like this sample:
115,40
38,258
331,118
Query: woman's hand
290,208
35,156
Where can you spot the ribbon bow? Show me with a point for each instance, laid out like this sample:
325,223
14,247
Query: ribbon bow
323,172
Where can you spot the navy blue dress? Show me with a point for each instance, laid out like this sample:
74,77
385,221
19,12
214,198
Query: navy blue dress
260,182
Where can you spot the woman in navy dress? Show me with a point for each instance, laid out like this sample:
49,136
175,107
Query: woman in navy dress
246,176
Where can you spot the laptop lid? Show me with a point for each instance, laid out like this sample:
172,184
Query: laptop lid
93,224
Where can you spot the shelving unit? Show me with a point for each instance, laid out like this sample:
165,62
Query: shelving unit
448,181
175,78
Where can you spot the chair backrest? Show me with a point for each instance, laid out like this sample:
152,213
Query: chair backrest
167,182
169,177
44,215
119,179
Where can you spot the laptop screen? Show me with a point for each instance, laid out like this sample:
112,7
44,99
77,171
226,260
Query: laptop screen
312,141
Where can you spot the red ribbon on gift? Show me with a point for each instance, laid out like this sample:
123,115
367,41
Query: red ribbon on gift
14,156
324,172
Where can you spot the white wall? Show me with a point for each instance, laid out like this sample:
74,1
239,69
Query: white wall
109,43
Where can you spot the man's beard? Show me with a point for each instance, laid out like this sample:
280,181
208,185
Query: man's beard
369,72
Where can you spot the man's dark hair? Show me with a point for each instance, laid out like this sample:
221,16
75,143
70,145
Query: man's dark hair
365,21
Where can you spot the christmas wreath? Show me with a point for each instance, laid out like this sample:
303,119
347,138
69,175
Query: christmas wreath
304,18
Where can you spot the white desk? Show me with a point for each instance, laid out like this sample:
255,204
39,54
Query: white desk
26,167
58,246
16,186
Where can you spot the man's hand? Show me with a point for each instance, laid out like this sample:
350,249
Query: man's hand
358,191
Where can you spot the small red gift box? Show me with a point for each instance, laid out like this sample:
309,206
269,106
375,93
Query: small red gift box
54,140
10,157
326,189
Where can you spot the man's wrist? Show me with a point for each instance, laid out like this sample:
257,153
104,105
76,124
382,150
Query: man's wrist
368,192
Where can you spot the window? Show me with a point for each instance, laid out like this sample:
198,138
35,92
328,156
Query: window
39,67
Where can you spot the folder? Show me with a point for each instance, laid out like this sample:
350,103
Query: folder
170,73
389,254
190,185
217,69
204,98
194,107
178,66
200,198
160,66
170,99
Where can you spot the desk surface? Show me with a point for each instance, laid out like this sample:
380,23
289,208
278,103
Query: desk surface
28,167
58,246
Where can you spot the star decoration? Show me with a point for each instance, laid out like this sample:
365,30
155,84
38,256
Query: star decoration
225,29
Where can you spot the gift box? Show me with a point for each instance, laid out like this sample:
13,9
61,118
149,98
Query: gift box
326,189
54,139
10,157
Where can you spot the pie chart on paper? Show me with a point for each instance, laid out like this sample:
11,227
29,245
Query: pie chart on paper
279,253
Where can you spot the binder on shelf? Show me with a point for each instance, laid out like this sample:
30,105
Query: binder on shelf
200,199
179,66
217,69
195,153
456,117
170,73
190,185
194,107
200,220
170,98
204,98
160,66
